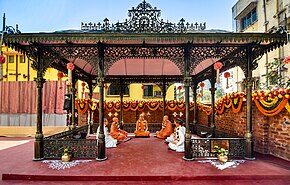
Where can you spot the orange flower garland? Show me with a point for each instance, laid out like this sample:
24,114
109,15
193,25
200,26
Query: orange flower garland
269,103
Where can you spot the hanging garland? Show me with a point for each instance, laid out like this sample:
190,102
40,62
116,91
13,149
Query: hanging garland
109,106
171,105
204,108
237,104
269,103
117,106
287,106
233,100
82,105
126,106
141,106
191,106
93,105
180,105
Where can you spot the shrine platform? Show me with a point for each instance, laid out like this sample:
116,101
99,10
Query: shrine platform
138,161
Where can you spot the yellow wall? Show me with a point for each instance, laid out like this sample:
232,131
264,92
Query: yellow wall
136,92
24,70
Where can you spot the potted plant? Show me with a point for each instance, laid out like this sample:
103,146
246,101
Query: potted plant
221,153
67,154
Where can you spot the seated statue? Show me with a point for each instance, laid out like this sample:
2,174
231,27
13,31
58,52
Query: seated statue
141,127
109,141
116,132
166,129
178,143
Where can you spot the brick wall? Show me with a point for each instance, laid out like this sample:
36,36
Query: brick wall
270,134
279,135
202,118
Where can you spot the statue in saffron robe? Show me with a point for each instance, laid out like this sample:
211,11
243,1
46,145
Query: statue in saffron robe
116,132
141,127
166,129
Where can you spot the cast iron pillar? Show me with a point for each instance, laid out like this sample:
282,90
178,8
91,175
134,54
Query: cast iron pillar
194,88
187,81
38,142
212,90
101,138
164,96
73,91
121,103
249,84
90,129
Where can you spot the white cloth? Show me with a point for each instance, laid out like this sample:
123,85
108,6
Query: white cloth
109,141
179,139
170,138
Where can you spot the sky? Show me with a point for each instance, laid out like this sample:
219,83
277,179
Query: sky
56,15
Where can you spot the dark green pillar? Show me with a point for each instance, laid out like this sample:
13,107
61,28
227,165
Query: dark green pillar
122,89
90,129
212,90
164,97
38,142
101,156
73,91
249,84
187,82
194,88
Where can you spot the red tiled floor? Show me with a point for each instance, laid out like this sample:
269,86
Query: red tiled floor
142,160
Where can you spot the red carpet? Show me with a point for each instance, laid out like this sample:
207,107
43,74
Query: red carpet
145,160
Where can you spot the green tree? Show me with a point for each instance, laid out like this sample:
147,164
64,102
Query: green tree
275,77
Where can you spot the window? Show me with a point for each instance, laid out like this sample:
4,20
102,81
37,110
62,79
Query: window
249,19
148,90
115,90
11,59
22,59
157,94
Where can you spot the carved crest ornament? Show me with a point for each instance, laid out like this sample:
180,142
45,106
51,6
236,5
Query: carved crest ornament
144,19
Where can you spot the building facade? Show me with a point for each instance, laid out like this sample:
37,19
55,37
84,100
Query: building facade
265,16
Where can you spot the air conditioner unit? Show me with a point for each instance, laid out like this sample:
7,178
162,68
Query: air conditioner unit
157,94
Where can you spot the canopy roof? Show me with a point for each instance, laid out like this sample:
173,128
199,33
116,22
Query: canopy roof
143,46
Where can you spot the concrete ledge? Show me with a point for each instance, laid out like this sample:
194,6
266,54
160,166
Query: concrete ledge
29,131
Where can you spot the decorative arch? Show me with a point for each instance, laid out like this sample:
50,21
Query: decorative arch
143,66
115,54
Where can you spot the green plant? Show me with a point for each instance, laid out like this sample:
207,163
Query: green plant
220,151
276,75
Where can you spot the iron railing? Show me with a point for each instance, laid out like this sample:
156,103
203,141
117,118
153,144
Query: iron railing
75,139
203,147
81,148
204,131
69,133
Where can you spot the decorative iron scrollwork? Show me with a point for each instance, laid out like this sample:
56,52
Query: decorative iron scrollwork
174,54
144,19
12,30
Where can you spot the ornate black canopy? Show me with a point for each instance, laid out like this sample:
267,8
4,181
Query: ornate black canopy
192,49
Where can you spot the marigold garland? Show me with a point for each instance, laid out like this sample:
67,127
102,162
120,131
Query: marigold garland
287,106
269,103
